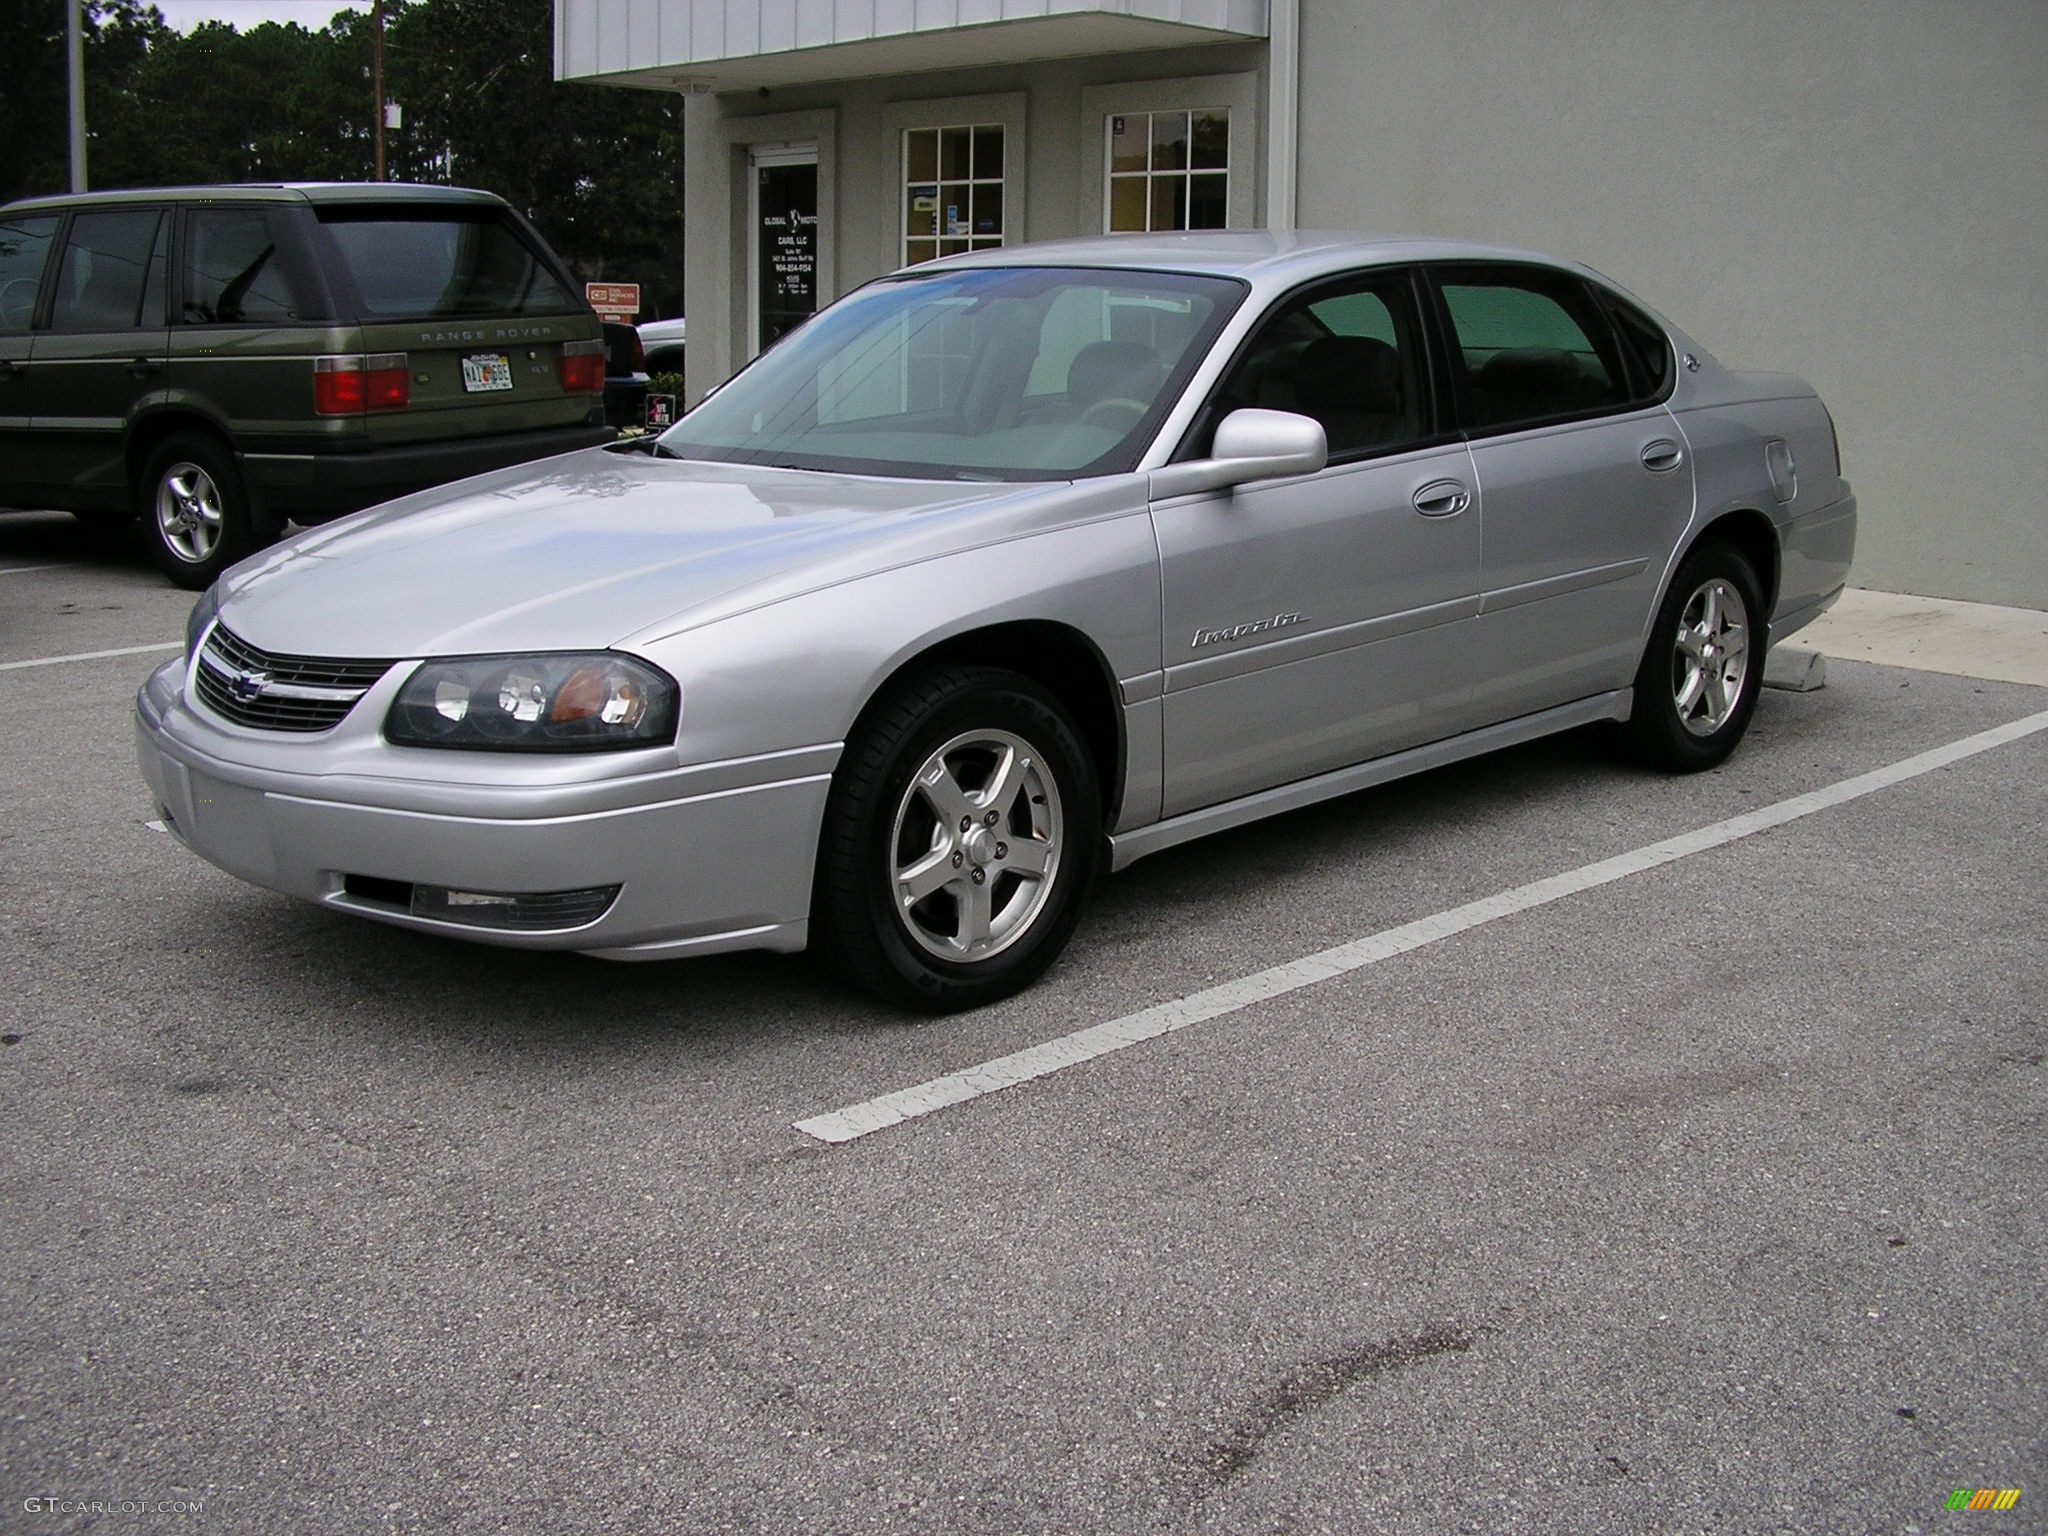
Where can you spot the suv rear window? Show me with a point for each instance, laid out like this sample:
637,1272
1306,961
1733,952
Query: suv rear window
410,265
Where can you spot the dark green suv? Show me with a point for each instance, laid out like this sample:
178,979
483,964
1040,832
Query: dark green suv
217,360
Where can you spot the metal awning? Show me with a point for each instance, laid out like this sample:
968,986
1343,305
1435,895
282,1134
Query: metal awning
730,45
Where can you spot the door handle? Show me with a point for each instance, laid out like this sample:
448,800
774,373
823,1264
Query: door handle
10,369
1662,456
143,367
1442,498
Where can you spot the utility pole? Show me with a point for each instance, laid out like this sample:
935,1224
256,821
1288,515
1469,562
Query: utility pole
74,46
377,79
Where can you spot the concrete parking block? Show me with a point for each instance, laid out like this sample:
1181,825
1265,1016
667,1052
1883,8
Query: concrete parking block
1796,669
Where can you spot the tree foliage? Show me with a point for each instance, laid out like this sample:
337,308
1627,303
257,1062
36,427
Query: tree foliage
598,169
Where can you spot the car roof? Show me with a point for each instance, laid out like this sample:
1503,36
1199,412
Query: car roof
1262,256
265,191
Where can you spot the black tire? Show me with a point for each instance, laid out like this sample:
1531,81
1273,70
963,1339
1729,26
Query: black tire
194,510
1001,893
1704,666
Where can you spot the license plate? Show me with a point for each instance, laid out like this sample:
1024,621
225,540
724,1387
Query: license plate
487,370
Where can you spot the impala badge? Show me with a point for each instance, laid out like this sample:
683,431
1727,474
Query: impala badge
1245,631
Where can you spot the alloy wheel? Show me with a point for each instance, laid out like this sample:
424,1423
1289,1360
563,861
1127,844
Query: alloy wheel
1710,665
976,845
188,511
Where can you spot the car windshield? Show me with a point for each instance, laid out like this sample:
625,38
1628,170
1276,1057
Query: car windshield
991,373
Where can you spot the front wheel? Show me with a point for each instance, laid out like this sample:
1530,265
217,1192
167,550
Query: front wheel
960,837
195,510
1697,686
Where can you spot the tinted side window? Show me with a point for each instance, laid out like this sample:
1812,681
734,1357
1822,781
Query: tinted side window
1347,353
24,245
1532,347
105,267
410,264
1648,349
234,273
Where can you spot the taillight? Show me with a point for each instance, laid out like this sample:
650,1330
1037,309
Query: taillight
348,386
581,367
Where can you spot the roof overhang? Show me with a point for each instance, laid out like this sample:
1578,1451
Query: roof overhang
732,45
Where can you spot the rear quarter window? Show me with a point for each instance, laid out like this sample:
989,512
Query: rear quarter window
1646,347
440,264
234,272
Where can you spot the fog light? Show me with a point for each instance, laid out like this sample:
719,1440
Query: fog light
523,911
513,911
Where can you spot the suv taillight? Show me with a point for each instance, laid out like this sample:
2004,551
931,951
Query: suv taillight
581,367
347,386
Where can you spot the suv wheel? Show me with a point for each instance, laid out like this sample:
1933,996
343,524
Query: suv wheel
194,510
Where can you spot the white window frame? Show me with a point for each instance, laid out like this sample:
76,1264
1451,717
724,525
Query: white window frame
1150,177
1236,94
1003,110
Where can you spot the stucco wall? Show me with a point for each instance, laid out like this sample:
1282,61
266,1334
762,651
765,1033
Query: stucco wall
1853,190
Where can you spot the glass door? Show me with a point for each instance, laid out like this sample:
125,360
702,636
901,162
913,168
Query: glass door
782,265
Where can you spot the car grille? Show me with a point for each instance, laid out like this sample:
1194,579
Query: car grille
279,693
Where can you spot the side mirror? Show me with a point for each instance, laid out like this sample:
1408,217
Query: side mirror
1250,445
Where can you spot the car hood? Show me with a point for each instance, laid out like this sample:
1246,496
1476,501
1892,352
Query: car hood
588,549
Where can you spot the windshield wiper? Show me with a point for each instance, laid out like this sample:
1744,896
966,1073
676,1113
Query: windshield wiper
647,445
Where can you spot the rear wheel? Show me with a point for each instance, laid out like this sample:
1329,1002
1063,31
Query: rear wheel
1697,686
195,510
960,838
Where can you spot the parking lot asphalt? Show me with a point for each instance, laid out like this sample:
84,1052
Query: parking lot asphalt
1707,1198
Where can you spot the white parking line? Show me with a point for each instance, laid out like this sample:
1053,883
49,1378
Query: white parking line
23,570
857,1120
58,661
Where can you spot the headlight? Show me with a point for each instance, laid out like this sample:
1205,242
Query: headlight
201,615
595,702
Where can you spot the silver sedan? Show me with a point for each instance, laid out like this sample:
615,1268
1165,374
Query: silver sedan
1002,570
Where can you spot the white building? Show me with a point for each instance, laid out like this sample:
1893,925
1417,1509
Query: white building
1855,190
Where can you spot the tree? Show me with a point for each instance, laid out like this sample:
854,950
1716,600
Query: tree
598,169
35,106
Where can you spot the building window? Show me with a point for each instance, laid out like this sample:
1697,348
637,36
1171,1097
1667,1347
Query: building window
1169,170
952,190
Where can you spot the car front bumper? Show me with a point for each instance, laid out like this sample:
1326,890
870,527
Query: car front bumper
705,858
